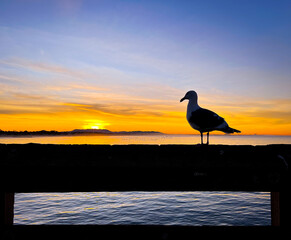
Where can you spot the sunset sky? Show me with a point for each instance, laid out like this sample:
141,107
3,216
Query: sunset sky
124,65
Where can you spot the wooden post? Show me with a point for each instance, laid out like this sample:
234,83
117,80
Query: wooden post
8,208
275,208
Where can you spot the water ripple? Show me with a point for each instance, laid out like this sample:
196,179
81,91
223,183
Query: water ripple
162,208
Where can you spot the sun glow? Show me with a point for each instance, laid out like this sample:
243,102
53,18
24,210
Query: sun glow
94,124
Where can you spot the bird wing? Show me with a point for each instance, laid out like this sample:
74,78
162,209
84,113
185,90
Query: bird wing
205,119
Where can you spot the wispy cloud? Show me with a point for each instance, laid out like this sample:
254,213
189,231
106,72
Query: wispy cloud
53,91
42,67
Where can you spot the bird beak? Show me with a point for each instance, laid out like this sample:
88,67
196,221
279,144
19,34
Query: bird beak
182,99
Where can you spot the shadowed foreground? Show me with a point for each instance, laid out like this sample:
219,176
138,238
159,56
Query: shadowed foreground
85,168
144,167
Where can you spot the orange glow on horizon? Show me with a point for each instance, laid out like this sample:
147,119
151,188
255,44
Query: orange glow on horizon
94,124
154,115
169,123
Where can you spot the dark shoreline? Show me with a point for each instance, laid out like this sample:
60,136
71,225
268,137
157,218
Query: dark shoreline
102,132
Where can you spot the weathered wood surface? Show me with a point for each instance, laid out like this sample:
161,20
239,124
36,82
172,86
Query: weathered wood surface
37,167
139,232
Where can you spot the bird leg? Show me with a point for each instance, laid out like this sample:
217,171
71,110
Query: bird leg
201,134
207,138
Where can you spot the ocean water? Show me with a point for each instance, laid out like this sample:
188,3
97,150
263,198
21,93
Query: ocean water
162,208
152,208
151,139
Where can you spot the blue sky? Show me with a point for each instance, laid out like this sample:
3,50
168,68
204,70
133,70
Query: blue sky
231,52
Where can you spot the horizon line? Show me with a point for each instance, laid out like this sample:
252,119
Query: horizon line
145,131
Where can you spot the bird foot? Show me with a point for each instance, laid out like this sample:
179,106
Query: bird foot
203,144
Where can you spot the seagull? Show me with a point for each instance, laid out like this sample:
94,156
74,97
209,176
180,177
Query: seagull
204,120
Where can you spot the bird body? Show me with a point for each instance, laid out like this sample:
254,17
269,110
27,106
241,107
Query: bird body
204,120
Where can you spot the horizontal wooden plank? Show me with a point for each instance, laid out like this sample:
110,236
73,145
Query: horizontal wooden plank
142,155
135,232
37,167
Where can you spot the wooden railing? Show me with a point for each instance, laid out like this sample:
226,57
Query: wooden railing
86,168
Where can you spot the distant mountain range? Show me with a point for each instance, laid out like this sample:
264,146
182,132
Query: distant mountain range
106,131
74,132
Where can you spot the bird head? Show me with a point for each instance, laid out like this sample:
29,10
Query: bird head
190,95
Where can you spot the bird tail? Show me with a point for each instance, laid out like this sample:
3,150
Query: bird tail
230,130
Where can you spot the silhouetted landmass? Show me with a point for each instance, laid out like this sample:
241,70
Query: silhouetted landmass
76,132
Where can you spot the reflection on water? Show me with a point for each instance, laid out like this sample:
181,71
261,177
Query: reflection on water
152,139
161,208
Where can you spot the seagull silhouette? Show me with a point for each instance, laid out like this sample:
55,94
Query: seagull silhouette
204,120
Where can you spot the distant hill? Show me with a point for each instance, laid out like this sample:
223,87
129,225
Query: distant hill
106,131
103,131
73,132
